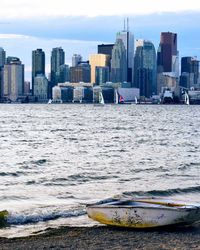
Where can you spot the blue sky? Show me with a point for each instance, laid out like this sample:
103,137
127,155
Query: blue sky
80,25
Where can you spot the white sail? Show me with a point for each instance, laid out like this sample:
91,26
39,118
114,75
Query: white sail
101,99
116,97
136,100
187,100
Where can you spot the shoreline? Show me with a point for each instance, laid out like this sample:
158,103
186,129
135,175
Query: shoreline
105,237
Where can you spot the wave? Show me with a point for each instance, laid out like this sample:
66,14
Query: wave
168,192
22,219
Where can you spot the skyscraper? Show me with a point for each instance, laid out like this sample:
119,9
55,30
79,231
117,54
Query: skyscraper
76,59
118,62
189,72
167,56
38,65
168,63
128,39
13,73
57,59
2,62
95,61
145,68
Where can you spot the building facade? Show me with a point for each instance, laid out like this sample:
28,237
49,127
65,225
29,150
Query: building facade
98,60
38,65
189,73
101,75
13,79
118,63
76,59
41,88
80,73
145,68
2,63
57,59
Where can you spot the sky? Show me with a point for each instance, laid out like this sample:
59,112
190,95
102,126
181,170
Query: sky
79,26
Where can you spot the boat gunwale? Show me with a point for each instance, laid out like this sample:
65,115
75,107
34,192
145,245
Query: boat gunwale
158,207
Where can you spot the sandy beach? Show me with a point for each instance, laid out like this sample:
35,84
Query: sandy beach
103,237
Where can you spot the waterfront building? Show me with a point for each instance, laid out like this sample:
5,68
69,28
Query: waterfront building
97,60
2,62
76,59
118,62
80,73
145,68
189,73
101,75
27,88
167,60
57,59
105,49
13,79
38,65
41,88
128,40
63,73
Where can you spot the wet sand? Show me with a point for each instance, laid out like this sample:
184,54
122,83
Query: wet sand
103,237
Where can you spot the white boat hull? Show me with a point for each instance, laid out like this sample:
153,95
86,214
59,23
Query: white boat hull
143,216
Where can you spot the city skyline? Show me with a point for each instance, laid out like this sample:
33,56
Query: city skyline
80,33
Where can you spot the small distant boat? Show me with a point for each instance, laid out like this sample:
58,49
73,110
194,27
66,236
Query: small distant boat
101,100
49,101
143,213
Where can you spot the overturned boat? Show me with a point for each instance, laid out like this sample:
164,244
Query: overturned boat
143,212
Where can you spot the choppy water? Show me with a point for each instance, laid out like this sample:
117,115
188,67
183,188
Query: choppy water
56,158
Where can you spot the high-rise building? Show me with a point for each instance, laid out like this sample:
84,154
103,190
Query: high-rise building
80,73
2,62
168,63
96,60
118,62
128,39
76,59
13,78
101,75
57,59
38,65
189,72
41,88
145,68
105,49
167,56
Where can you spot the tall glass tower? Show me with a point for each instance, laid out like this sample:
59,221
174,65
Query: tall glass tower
57,59
38,64
128,40
119,62
2,62
145,68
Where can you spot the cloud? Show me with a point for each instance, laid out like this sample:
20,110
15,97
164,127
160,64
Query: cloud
61,8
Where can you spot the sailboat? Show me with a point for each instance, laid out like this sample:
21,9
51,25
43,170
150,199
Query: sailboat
116,97
101,99
187,100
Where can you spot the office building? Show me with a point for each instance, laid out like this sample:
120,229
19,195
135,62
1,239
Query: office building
189,73
41,88
38,65
76,59
97,60
145,68
101,75
128,40
2,62
57,59
118,63
13,79
168,62
80,73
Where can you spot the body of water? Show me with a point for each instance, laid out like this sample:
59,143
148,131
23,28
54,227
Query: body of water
56,158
